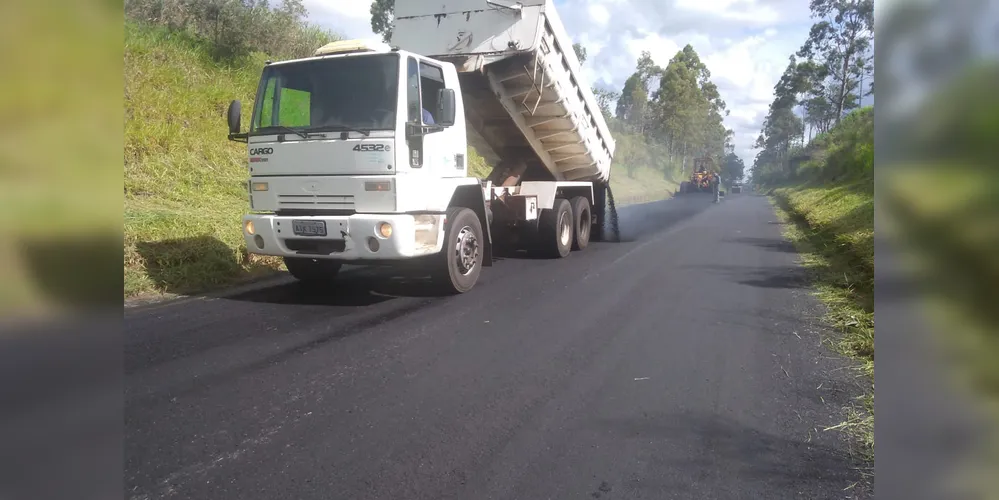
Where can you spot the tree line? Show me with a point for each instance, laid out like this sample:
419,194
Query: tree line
676,112
824,80
234,28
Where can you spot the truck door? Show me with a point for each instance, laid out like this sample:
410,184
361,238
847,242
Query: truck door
424,80
431,82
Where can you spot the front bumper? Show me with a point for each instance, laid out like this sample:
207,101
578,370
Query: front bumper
355,238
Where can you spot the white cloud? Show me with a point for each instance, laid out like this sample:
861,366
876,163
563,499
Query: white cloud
598,14
349,19
744,43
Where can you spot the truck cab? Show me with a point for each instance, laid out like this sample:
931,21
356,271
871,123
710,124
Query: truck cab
355,155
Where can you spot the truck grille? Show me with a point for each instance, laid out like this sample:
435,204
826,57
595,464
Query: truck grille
316,201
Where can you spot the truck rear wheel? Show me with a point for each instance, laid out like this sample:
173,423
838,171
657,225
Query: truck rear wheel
582,222
555,230
459,264
310,270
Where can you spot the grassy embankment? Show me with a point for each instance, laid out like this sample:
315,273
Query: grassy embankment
57,154
185,183
829,204
940,201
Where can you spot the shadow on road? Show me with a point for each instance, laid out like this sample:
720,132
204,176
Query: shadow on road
354,288
777,245
761,460
766,277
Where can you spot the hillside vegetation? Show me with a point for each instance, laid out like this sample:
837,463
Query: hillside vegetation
57,154
816,159
829,203
185,184
941,199
938,204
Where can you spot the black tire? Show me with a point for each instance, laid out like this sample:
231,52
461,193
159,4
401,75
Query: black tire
582,222
555,230
309,270
455,272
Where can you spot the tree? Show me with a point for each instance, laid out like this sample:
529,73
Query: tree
632,89
579,50
733,168
633,107
689,109
841,41
382,14
682,118
604,98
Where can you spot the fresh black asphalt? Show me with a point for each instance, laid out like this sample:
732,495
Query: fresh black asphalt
683,362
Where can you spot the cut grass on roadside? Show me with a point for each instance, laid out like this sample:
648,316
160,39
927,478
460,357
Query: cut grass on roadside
832,227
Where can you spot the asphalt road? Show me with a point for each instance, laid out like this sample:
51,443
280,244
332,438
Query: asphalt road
683,362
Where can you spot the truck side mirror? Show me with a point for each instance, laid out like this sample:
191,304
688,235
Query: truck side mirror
445,107
235,110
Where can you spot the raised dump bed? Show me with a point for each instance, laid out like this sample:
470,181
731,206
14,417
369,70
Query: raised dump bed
520,83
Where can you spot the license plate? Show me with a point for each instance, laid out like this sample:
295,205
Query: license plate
308,227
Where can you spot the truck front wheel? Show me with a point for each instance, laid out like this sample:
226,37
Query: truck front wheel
309,270
460,262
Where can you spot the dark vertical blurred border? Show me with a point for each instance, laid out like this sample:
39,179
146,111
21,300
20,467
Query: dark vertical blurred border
935,159
60,170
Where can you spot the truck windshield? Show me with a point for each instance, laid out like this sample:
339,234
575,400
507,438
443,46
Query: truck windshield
354,92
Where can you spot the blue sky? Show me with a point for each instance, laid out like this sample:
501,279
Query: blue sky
744,43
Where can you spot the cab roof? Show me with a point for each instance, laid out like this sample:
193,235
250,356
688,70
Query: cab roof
351,46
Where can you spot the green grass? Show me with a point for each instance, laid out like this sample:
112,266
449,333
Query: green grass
828,207
942,217
185,183
946,218
832,228
57,154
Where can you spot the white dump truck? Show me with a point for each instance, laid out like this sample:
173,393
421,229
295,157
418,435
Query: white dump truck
358,155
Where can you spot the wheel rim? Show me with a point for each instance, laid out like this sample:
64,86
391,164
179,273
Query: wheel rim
466,250
565,229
